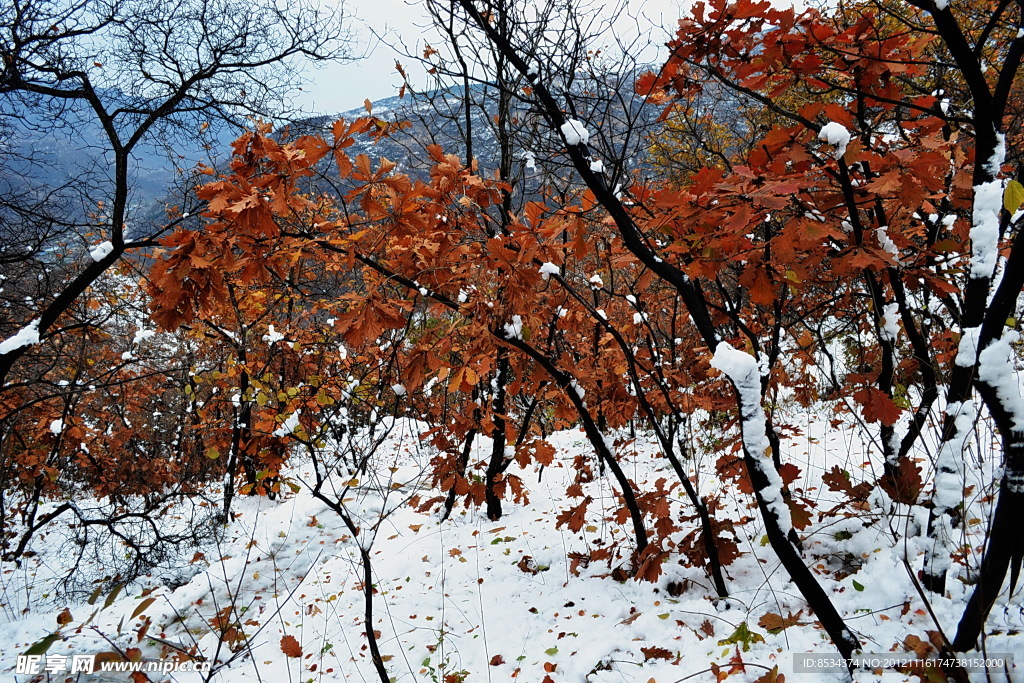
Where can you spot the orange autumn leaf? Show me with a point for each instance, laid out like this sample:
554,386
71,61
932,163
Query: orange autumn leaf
290,646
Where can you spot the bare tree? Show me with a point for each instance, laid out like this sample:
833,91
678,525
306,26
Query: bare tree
133,70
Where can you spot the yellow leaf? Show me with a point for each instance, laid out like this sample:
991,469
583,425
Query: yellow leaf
1013,196
142,607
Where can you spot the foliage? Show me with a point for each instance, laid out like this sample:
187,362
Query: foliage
850,246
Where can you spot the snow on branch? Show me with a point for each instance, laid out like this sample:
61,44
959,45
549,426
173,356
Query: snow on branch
835,134
575,132
742,369
988,202
996,369
26,336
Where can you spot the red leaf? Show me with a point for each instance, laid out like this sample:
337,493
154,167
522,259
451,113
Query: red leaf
904,484
800,514
774,623
656,653
290,646
574,518
789,473
772,676
877,405
838,480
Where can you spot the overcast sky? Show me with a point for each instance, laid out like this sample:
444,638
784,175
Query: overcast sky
340,87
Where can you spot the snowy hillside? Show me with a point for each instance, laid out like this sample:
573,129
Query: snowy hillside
473,600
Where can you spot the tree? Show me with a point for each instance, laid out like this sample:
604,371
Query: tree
762,53
134,67
125,75
824,262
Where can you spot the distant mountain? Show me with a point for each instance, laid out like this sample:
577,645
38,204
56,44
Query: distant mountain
43,150
618,120
61,158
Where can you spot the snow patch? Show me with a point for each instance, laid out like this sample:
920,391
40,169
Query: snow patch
101,251
742,369
272,336
289,425
996,369
142,335
580,391
26,336
835,134
988,202
514,329
967,349
890,322
575,132
882,233
549,269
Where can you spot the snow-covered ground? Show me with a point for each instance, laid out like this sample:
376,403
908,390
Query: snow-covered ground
475,600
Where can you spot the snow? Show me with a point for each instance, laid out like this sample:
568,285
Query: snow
597,166
399,389
882,233
835,134
26,336
988,202
272,336
577,389
142,335
967,349
950,479
514,329
57,426
548,269
289,425
596,281
890,322
994,165
101,251
575,132
742,369
941,4
497,600
996,369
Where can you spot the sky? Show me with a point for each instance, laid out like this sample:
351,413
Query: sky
382,28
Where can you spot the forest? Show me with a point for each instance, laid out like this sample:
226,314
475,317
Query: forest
715,357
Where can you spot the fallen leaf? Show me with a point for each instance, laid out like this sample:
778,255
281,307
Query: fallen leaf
291,647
